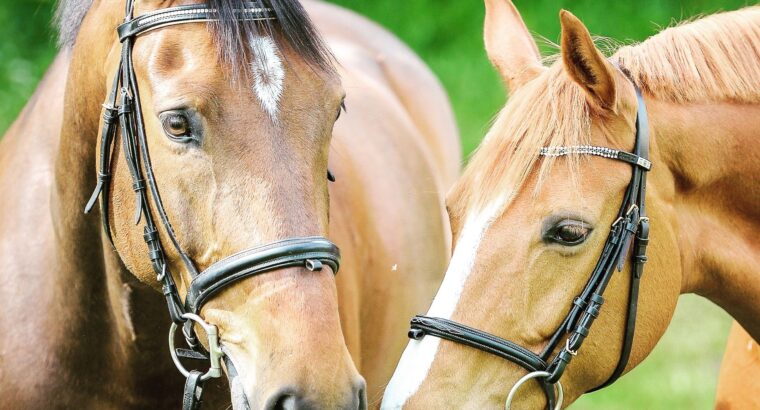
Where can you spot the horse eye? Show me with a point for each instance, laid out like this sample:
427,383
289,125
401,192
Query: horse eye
176,126
341,108
570,233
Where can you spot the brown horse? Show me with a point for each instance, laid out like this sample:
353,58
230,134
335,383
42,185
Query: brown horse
739,379
240,161
529,228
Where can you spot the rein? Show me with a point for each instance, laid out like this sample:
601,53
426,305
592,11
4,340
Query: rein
631,227
123,111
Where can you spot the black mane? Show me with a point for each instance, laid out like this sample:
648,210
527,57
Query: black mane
68,18
292,28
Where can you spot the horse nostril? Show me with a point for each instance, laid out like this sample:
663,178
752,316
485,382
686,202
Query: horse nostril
285,399
288,398
361,389
362,400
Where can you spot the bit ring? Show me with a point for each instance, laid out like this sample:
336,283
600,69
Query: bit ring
215,352
534,375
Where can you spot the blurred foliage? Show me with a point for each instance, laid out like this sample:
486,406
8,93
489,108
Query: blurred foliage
27,48
681,373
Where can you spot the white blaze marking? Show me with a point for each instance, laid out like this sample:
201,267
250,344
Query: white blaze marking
419,354
268,74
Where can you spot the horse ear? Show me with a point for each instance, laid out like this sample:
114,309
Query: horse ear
509,45
585,64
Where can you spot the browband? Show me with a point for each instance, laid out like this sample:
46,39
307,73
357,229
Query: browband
187,14
604,152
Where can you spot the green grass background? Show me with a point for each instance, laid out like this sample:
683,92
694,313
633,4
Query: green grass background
681,373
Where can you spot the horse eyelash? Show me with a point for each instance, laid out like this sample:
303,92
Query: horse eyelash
341,110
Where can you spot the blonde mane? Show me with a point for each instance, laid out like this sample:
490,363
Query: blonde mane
713,59
716,58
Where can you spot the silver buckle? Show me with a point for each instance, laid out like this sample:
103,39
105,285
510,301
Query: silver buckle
567,348
214,350
617,221
628,213
160,277
632,208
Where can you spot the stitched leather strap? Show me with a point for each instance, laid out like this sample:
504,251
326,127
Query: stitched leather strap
450,330
191,399
309,252
459,333
191,354
640,242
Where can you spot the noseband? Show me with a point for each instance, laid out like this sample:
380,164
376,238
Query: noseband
123,110
631,224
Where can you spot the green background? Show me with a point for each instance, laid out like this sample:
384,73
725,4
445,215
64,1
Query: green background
681,373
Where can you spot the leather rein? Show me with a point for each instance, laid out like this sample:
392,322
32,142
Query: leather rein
631,225
123,111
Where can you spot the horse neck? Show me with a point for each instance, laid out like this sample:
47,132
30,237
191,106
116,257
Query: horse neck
711,151
101,294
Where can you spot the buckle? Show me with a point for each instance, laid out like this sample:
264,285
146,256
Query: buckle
110,113
631,209
160,276
568,349
617,221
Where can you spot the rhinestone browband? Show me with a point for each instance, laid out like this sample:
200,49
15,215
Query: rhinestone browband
603,152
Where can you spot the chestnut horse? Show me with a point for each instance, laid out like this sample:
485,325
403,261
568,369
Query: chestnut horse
240,157
529,227
739,379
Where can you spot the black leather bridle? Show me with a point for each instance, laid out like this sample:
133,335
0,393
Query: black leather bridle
123,110
631,224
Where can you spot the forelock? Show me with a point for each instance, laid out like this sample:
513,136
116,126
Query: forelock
292,28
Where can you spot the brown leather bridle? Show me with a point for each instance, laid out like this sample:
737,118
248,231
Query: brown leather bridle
123,111
631,225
